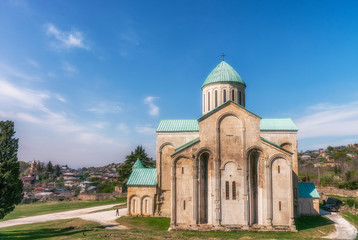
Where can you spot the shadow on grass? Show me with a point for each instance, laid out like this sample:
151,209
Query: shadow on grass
303,223
43,233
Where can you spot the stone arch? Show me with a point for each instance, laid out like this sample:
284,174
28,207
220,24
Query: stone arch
280,189
275,156
182,190
223,164
224,115
163,165
134,205
147,205
287,146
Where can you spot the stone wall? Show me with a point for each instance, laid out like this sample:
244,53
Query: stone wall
100,196
337,191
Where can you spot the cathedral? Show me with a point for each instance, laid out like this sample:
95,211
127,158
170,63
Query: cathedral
229,169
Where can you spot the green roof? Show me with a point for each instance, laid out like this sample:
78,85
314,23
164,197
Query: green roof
185,145
307,190
143,176
178,126
277,124
138,164
223,72
274,144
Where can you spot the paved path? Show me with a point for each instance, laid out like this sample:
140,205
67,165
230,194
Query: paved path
344,229
105,218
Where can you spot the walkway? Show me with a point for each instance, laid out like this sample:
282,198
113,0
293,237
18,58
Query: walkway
105,218
344,229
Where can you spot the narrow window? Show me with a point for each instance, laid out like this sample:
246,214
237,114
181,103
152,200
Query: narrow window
233,190
146,206
233,95
204,102
224,95
278,169
134,205
279,205
216,98
227,190
240,98
182,170
208,101
184,205
243,101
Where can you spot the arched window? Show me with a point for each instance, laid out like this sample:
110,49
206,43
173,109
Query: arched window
240,97
146,206
233,95
134,203
233,190
216,98
224,95
227,191
208,101
278,168
204,102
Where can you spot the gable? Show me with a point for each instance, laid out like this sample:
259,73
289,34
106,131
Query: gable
307,190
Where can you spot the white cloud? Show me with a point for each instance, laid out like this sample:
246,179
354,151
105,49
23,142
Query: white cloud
68,67
146,129
153,109
106,107
33,63
329,120
72,39
5,69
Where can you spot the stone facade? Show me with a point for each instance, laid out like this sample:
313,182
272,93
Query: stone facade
229,174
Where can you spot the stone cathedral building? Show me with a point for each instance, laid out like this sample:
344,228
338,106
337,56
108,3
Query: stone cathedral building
229,169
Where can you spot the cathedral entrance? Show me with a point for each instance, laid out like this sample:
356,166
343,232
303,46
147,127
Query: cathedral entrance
253,187
203,188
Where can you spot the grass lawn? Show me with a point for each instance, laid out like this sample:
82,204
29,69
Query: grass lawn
350,217
154,228
39,208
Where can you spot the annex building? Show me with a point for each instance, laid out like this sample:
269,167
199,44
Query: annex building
229,169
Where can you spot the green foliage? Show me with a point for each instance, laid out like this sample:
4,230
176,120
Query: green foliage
106,187
351,185
330,148
49,167
10,184
326,178
125,170
348,175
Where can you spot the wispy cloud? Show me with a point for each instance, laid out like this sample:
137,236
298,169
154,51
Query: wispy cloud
13,72
145,129
71,39
68,67
153,109
33,63
329,120
106,107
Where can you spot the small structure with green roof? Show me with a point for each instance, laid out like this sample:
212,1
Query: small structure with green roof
308,202
142,190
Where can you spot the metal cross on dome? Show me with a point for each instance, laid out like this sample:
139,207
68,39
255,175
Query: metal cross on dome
223,55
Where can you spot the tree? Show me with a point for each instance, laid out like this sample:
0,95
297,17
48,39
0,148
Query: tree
126,169
49,167
10,185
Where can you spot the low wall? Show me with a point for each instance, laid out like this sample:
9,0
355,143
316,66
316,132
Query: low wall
337,191
100,196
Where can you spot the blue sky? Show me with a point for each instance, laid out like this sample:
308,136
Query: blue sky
87,81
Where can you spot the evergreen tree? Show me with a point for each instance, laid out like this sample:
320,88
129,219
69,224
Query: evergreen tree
10,184
126,169
49,167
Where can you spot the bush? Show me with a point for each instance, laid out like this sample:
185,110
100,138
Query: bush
351,185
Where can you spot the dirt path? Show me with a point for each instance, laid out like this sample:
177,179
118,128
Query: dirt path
344,229
105,218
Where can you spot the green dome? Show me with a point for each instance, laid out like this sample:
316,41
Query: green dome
223,73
